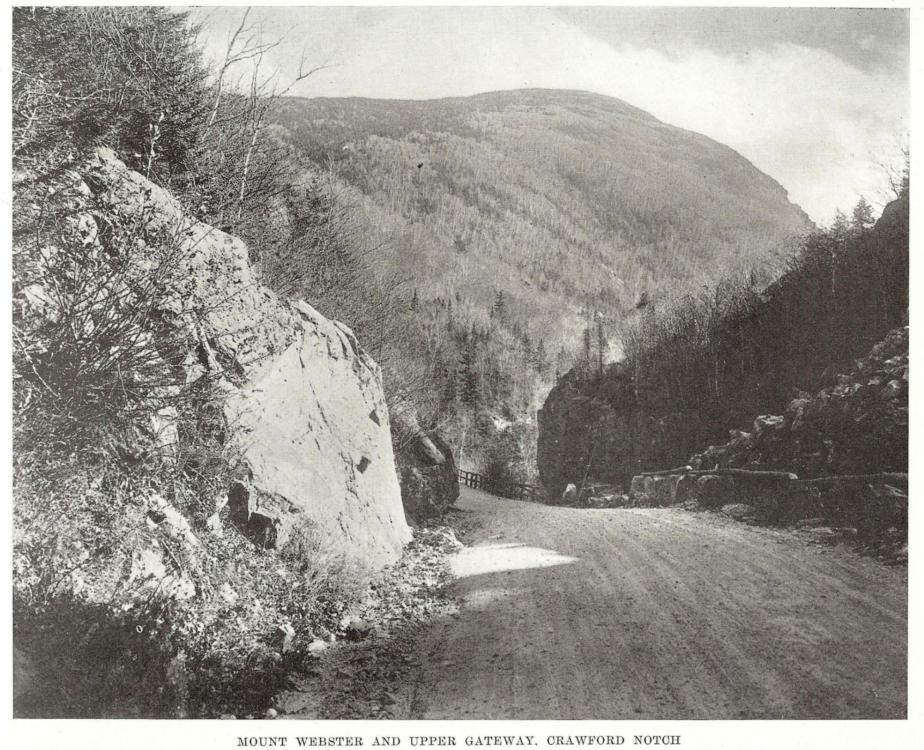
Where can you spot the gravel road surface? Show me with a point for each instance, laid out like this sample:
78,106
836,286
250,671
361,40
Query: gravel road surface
659,614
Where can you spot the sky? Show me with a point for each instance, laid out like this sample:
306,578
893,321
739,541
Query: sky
816,98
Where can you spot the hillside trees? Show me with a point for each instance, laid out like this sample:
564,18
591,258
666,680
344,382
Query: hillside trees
563,200
480,380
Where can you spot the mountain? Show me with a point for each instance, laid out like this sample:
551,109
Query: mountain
568,203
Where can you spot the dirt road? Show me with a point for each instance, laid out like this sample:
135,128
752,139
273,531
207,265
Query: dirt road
659,614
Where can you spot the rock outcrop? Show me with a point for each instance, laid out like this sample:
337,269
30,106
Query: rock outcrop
839,456
314,431
428,474
303,402
857,426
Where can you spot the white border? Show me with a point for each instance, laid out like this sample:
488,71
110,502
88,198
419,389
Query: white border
705,735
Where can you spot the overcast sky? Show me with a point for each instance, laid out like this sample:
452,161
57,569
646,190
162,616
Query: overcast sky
816,98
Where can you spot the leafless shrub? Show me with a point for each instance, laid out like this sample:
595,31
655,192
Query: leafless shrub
82,76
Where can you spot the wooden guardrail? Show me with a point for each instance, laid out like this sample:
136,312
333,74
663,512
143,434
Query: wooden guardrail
512,490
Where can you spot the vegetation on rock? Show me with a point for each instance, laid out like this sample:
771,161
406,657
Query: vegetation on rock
141,587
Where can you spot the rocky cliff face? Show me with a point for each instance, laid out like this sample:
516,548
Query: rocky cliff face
594,432
302,403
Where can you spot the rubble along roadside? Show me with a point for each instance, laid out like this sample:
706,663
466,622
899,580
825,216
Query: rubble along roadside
354,673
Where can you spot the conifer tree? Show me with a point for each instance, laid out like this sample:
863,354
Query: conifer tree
448,390
499,308
841,226
588,357
469,390
862,214
601,342
541,359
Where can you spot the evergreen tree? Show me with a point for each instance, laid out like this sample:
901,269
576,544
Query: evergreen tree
541,359
448,390
528,356
862,214
601,342
841,226
499,308
469,390
588,357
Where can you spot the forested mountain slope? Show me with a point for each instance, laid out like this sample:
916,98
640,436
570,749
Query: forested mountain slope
569,203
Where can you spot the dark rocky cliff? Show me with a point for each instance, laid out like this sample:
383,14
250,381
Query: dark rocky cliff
800,335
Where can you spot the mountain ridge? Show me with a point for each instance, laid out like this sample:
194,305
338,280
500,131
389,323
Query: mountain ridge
487,95
548,188
491,97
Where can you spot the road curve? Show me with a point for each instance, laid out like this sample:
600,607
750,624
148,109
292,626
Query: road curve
660,614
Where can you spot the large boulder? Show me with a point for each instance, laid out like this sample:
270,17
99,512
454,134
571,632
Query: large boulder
575,430
314,431
303,402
